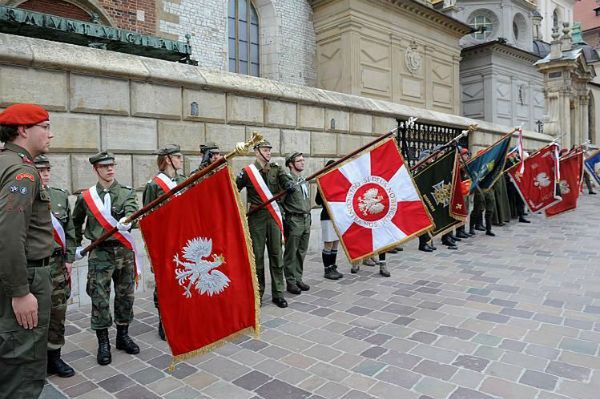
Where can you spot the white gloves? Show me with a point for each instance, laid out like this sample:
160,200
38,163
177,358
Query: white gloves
78,255
121,226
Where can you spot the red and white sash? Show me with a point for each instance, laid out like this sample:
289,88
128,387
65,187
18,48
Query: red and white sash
164,182
107,221
58,232
265,194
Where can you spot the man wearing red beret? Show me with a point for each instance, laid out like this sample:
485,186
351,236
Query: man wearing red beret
25,249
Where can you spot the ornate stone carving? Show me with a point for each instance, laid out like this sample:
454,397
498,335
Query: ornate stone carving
413,59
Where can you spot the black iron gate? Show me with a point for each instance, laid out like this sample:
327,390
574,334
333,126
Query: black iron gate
422,136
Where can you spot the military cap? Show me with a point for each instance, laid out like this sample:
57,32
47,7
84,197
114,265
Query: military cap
209,146
169,149
41,161
23,114
291,157
102,158
263,144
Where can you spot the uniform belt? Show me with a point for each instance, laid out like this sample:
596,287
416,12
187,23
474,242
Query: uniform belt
57,252
296,214
254,207
39,263
110,244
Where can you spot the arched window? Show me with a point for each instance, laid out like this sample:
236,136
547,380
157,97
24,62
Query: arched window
243,38
485,22
555,18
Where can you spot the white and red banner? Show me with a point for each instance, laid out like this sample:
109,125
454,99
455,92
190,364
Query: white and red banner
537,185
265,194
373,202
164,182
102,212
58,232
203,265
571,180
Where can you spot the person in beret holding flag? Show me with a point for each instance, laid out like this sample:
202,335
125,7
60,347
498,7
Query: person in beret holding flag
169,162
25,250
102,207
61,265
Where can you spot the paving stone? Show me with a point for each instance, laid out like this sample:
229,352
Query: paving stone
512,345
506,371
136,392
183,370
276,389
147,375
369,367
424,337
506,389
486,339
569,371
399,309
433,388
433,369
538,380
576,345
547,318
503,303
374,352
542,351
517,313
252,380
467,378
471,362
455,332
466,393
496,318
354,394
403,320
398,376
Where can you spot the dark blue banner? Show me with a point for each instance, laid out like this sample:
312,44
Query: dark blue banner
488,166
590,165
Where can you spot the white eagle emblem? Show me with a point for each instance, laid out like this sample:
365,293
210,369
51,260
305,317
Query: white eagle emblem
564,187
370,202
199,271
542,180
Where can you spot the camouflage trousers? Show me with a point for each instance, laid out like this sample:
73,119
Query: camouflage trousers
106,264
61,291
23,353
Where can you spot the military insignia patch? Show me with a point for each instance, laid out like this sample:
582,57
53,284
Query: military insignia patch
13,189
22,176
23,190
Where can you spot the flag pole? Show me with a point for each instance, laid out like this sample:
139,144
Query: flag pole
240,148
329,167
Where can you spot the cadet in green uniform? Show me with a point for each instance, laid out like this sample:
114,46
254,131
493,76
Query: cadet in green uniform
210,153
61,263
25,249
263,228
111,260
296,206
169,162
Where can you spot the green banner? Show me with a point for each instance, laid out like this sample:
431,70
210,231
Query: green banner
434,180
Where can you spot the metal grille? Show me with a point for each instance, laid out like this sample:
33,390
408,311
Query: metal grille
421,136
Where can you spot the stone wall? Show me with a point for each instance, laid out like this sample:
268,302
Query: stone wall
101,100
286,35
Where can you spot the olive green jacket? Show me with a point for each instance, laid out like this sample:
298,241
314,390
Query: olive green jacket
123,204
59,200
299,200
25,225
152,190
274,176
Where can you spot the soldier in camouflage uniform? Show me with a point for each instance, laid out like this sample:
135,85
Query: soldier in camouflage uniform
26,231
297,225
263,227
169,162
111,260
61,263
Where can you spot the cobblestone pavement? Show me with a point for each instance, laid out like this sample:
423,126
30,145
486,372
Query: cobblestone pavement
515,316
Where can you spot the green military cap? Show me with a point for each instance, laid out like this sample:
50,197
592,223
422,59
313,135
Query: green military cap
102,158
291,157
263,144
210,146
41,161
169,149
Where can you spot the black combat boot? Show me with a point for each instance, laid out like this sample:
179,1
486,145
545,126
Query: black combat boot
161,330
331,273
124,341
57,366
488,225
104,356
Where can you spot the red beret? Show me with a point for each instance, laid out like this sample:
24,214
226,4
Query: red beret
23,114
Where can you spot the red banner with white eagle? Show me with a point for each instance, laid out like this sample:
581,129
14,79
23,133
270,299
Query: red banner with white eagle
571,179
538,184
199,247
373,202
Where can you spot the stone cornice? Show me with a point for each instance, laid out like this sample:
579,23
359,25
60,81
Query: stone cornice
418,9
500,48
